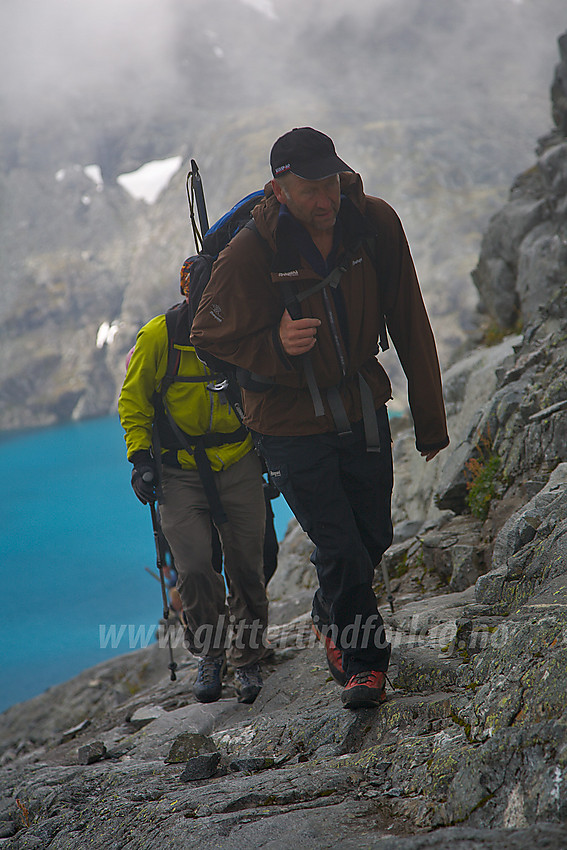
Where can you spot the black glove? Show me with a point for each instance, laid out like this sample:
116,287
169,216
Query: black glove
144,476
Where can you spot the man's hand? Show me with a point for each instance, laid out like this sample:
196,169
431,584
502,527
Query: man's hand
298,336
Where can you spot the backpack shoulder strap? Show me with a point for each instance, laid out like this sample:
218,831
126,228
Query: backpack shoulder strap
175,319
177,324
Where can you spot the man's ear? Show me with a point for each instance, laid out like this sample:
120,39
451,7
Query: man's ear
278,191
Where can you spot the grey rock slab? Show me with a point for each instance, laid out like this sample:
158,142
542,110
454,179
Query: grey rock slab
419,617
187,745
201,767
252,765
146,714
154,741
91,753
523,525
550,836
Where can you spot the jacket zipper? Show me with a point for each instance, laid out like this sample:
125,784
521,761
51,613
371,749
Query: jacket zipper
334,332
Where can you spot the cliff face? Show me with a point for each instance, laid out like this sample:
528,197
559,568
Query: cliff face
470,749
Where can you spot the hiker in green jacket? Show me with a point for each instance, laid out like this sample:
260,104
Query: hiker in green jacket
220,626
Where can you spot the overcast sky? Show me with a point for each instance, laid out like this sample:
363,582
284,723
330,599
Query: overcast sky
59,48
56,47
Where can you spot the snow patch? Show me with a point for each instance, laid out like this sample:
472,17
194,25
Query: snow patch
94,173
148,182
265,7
106,333
556,785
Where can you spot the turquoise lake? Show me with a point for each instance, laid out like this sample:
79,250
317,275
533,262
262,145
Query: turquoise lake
74,547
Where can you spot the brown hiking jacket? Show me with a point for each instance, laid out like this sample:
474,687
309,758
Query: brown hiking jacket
239,314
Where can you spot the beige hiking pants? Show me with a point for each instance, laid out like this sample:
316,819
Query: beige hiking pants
231,616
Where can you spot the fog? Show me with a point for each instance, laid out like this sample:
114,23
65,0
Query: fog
60,50
382,56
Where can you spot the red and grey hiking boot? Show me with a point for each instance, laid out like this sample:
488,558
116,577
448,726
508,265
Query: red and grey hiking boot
364,690
334,657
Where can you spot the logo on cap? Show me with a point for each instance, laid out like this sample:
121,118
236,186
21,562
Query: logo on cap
307,153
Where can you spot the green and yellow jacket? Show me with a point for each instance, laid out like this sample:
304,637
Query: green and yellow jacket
195,409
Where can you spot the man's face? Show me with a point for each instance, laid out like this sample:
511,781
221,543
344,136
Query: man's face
315,203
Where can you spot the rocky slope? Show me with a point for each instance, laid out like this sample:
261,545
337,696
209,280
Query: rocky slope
470,750
219,80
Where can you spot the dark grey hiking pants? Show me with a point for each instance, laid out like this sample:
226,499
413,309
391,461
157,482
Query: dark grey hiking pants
341,495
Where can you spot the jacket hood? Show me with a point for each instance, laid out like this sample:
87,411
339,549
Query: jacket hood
266,213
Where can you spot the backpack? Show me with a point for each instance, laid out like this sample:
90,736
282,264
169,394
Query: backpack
199,269
217,237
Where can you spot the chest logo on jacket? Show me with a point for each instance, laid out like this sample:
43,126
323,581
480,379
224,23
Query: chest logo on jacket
216,312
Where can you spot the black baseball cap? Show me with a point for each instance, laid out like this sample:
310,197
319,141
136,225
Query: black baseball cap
306,153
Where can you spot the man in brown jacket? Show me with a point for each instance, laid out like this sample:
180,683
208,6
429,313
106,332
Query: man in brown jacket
299,301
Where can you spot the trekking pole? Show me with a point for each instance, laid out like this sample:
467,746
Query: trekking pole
160,561
196,196
389,594
180,614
